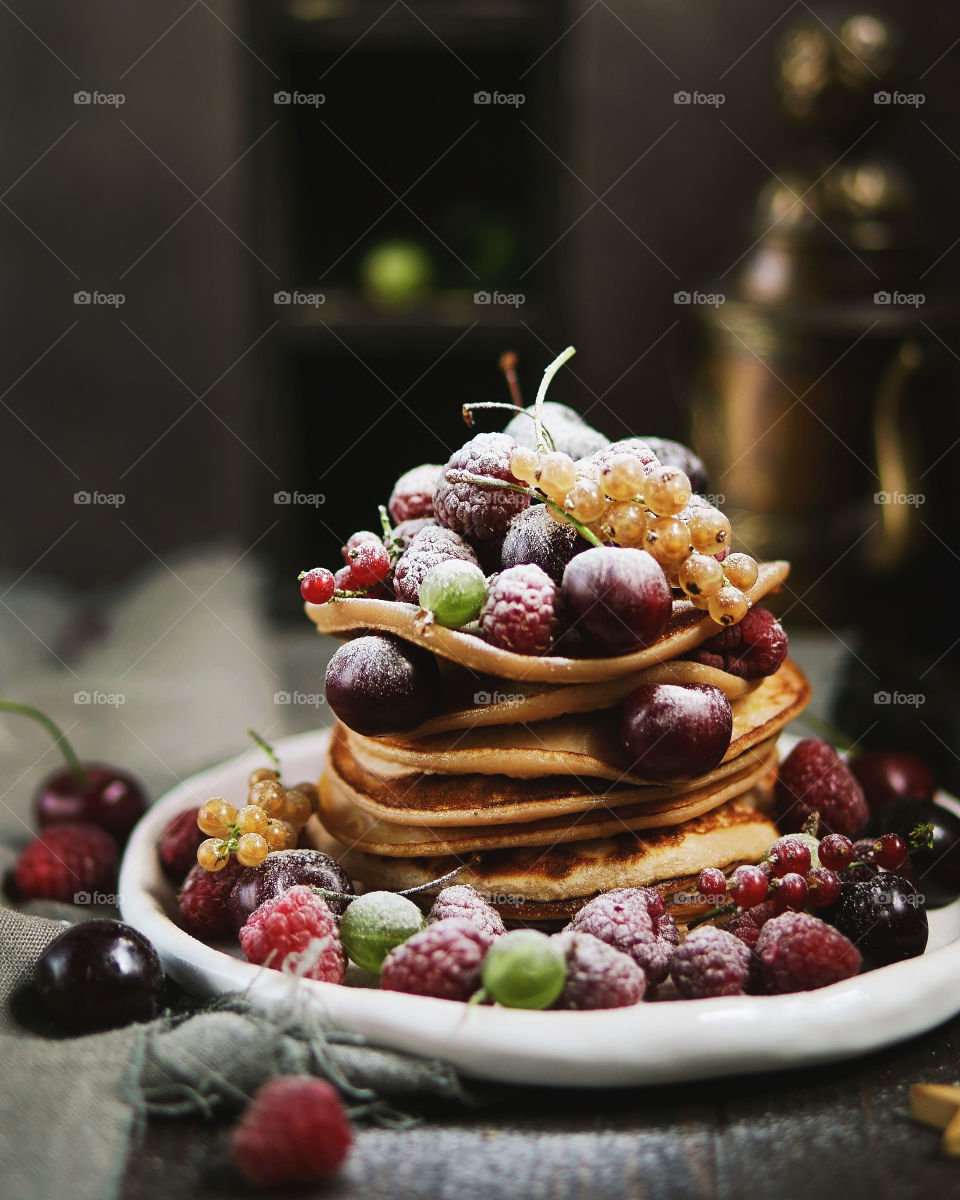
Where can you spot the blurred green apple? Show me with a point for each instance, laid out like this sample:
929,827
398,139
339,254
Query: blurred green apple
396,273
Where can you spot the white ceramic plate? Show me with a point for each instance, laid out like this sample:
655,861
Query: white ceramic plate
649,1043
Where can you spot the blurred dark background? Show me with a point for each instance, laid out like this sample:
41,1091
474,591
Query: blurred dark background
283,213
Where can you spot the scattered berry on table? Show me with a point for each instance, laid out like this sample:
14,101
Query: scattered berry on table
379,684
754,648
295,1130
798,952
100,975
376,922
524,969
454,591
598,975
520,612
480,514
317,585
635,921
464,902
105,796
711,962
178,844
443,960
428,548
412,496
281,871
295,931
64,861
203,900
814,779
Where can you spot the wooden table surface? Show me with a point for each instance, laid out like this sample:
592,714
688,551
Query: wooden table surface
839,1130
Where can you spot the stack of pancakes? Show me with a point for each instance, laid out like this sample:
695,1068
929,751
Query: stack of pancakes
519,777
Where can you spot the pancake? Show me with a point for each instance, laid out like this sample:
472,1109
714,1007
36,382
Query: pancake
585,745
687,628
351,825
734,832
454,800
471,700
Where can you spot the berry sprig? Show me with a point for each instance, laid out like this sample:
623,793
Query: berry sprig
270,820
368,561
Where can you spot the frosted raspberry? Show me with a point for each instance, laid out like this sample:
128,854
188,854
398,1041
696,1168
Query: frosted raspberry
635,921
520,612
178,845
294,1131
465,903
431,546
535,537
204,900
412,495
598,975
755,647
442,960
798,952
405,531
814,779
66,860
480,514
711,962
747,923
570,432
295,929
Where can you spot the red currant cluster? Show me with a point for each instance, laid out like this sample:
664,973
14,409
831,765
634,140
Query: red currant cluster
800,872
270,820
367,563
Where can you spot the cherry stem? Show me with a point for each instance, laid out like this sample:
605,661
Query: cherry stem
267,749
27,710
489,481
720,911
542,391
508,365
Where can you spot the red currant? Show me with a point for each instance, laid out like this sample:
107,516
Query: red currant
890,851
790,892
749,886
712,882
823,887
357,539
369,562
788,855
317,586
345,581
836,852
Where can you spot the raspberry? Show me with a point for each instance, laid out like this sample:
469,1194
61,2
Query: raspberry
429,547
598,975
751,649
412,495
65,860
711,962
813,779
294,1131
405,531
442,960
747,923
466,904
204,897
798,952
177,847
296,923
635,921
521,610
481,514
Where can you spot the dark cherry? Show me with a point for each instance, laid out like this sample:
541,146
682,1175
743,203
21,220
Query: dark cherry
281,870
676,454
377,684
178,845
884,917
937,869
671,732
619,598
106,797
100,975
533,536
887,775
